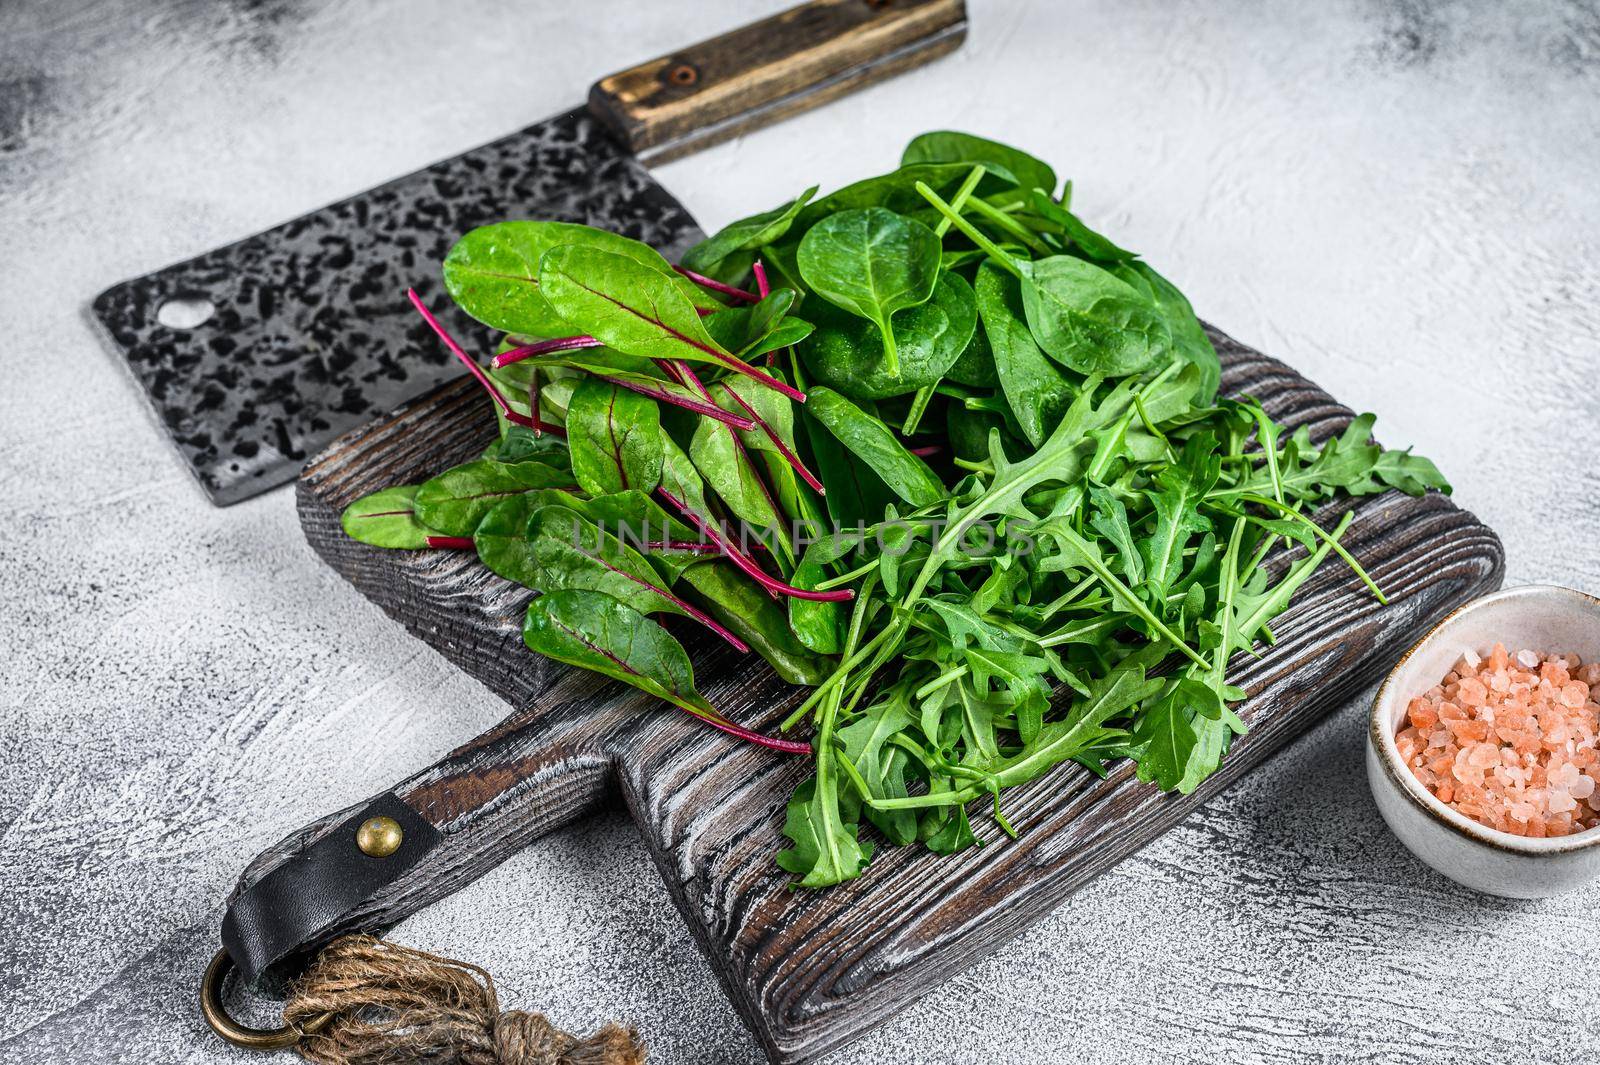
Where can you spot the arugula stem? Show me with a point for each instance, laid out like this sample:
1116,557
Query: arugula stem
846,578
948,677
512,416
1317,530
1230,585
959,200
1150,427
834,679
1004,221
970,231
1267,435
717,286
919,405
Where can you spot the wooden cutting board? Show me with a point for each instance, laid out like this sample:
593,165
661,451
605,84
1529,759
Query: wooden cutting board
808,970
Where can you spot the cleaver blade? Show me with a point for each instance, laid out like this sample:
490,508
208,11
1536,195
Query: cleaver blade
256,355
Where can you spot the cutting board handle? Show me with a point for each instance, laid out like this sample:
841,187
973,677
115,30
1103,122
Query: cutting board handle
797,59
444,827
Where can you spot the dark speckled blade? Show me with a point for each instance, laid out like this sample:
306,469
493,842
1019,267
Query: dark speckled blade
312,334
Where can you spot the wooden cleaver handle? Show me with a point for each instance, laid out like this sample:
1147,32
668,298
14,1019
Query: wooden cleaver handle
783,65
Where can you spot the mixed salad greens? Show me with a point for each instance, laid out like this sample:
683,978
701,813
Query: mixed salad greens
929,445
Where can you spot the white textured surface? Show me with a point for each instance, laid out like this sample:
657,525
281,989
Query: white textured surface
1399,199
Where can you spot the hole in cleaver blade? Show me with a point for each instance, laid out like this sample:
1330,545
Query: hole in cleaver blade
312,335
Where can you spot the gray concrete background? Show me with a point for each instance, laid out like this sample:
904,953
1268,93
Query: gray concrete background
1402,200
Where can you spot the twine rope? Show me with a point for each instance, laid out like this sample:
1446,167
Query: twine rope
392,1005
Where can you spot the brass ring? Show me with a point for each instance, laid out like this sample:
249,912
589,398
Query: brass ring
240,1035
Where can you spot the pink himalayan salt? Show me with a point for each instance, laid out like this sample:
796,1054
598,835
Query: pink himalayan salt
1510,741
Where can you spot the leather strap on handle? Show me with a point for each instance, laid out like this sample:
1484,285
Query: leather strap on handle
796,60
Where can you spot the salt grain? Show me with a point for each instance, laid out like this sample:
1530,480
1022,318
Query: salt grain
1511,742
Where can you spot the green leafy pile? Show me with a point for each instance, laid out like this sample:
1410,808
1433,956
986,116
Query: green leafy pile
1031,531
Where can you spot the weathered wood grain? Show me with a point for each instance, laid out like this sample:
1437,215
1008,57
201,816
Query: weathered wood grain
780,66
808,970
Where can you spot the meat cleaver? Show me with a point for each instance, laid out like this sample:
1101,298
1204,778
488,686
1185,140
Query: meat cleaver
255,355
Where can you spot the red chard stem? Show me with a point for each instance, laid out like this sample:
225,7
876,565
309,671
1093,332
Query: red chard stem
477,371
543,347
746,565
717,286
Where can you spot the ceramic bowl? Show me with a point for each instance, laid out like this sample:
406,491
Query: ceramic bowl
1541,617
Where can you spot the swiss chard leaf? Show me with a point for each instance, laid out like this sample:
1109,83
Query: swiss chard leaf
726,466
615,438
456,500
626,305
386,518
593,631
493,272
752,615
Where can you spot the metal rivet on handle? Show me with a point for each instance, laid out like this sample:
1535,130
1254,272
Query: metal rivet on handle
379,837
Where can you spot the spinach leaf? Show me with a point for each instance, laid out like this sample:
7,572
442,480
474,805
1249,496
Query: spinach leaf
493,272
386,519
1036,391
974,367
872,263
844,351
1188,335
593,631
747,234
876,445
1011,164
895,191
615,439
456,500
1091,321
